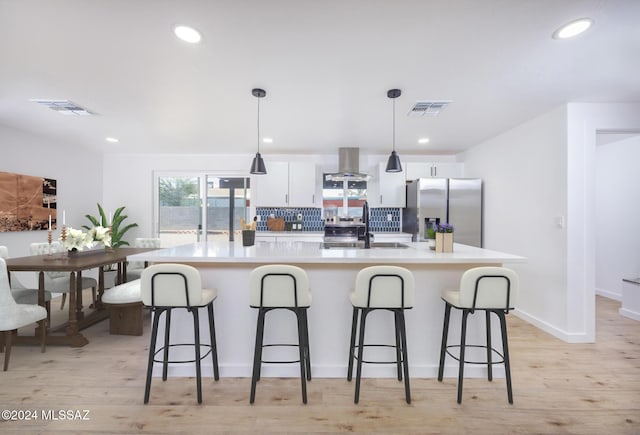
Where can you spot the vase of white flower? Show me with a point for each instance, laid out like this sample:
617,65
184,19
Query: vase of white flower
77,240
100,235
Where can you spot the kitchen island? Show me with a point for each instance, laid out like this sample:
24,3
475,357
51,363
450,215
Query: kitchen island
332,272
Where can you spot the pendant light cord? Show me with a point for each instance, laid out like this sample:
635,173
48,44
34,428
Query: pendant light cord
258,125
394,124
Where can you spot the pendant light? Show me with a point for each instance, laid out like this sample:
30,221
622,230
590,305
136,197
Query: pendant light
393,164
257,166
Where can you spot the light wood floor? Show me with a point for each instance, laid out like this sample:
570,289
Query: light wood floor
558,388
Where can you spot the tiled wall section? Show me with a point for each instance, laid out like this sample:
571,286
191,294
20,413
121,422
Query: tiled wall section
312,218
380,220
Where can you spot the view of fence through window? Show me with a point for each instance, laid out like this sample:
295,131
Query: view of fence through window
181,217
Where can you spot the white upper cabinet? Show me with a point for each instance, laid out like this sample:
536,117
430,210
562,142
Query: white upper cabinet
271,189
391,189
286,184
303,185
433,169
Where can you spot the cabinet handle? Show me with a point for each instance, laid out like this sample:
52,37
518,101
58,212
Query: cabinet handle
286,198
313,198
381,200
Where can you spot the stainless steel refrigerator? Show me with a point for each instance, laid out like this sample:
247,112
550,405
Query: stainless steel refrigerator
457,201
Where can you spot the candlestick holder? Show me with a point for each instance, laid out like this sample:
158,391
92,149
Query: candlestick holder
49,256
63,239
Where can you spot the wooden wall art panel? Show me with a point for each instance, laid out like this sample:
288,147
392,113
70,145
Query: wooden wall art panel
27,203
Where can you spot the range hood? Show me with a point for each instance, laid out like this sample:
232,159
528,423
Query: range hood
348,166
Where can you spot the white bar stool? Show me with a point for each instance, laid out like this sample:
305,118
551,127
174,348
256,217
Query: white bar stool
165,287
279,286
381,288
488,289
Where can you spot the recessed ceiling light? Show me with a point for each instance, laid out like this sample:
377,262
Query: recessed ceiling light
267,140
423,140
573,28
187,34
112,139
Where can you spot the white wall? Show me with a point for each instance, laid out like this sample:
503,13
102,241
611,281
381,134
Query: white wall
524,173
537,173
79,179
617,215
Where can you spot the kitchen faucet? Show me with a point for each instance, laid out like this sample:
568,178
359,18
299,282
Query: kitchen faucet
365,219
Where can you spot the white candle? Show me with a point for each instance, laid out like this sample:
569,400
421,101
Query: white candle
64,217
49,221
110,220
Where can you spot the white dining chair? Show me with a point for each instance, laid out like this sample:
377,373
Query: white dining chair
58,282
14,316
135,268
22,294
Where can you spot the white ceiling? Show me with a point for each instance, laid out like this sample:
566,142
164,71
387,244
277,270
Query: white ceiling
326,67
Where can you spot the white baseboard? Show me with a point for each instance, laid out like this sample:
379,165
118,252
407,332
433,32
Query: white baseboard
550,329
630,314
609,294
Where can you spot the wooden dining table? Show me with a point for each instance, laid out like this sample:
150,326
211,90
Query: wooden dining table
75,265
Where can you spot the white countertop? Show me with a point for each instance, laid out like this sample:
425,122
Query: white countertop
310,253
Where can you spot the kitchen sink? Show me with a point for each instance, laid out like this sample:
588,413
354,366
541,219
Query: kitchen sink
360,245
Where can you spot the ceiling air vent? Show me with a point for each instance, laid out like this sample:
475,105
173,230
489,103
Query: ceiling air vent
64,107
428,108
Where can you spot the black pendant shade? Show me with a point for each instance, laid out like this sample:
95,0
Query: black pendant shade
257,166
393,164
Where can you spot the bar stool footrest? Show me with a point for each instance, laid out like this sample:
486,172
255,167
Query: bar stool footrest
393,346
480,346
207,353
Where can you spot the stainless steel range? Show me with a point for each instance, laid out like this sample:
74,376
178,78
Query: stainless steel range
344,231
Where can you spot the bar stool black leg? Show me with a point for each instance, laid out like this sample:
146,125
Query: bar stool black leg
352,343
363,318
196,334
306,343
443,346
261,347
505,348
399,347
214,344
257,354
152,351
405,356
301,351
489,351
167,330
463,336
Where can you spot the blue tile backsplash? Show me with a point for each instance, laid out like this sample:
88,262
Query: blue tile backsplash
312,218
381,224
